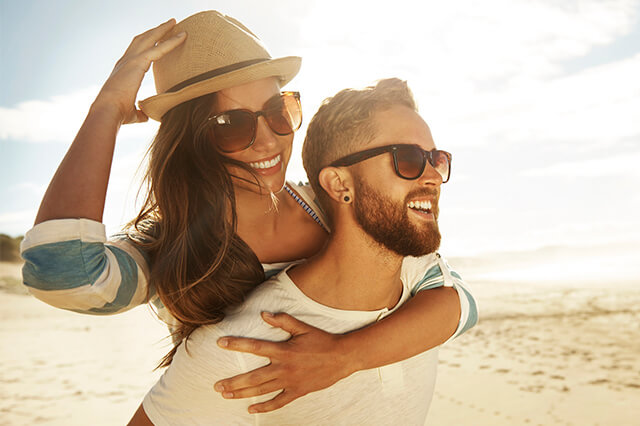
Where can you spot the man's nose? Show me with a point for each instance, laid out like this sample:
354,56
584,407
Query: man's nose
430,176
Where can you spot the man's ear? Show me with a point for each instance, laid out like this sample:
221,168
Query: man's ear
337,183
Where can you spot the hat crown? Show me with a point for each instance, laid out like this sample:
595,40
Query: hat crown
214,41
219,52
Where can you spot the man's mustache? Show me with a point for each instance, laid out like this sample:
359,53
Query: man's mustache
424,192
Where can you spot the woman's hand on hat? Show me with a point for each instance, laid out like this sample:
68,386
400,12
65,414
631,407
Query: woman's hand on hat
121,88
310,360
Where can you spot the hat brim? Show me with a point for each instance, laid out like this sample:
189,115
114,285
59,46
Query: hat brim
283,68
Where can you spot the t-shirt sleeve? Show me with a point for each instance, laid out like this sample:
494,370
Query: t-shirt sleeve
70,264
185,395
432,271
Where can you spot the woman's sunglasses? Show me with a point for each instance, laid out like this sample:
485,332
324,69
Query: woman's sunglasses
235,130
409,161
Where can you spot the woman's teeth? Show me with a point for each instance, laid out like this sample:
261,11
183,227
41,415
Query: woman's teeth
420,205
266,164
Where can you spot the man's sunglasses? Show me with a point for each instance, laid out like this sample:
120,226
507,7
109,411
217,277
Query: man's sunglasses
409,161
235,130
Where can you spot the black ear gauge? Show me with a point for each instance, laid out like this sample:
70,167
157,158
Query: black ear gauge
346,199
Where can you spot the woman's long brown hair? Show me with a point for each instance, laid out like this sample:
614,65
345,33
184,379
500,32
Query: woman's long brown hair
187,224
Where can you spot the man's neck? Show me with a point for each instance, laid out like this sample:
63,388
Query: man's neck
352,272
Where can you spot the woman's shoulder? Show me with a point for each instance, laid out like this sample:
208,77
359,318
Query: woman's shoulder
304,188
304,195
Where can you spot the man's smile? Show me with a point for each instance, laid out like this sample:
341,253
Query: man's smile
422,208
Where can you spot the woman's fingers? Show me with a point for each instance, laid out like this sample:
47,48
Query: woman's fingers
262,389
245,344
160,49
141,117
252,378
155,51
262,347
121,88
150,37
309,361
279,401
286,322
136,116
255,378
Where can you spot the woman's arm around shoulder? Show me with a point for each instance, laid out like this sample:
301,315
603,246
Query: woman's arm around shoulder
313,359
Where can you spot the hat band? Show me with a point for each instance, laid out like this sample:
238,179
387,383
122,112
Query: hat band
214,73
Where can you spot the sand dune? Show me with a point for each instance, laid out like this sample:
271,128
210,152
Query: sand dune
541,355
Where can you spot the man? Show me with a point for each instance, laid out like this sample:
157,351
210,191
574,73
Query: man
372,162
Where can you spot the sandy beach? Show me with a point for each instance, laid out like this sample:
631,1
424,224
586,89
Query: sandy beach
566,356
63,368
541,355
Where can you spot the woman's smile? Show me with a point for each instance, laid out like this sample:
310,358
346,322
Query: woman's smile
267,166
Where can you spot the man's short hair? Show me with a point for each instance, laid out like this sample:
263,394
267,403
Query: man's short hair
344,123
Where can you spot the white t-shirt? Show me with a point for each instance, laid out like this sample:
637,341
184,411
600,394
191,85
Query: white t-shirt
398,394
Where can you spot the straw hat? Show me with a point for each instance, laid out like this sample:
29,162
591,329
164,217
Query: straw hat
219,53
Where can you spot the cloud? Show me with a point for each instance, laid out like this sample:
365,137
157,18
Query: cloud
29,187
58,118
624,164
467,40
595,107
17,222
475,67
483,73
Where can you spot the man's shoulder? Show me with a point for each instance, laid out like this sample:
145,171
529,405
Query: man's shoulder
411,262
414,268
245,320
186,388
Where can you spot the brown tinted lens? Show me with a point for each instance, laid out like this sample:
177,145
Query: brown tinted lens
410,161
283,113
440,161
234,130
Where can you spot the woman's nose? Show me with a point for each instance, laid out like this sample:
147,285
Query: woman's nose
266,139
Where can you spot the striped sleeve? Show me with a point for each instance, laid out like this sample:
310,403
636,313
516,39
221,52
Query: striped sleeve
432,271
304,195
70,264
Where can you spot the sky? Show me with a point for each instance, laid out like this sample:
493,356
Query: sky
538,101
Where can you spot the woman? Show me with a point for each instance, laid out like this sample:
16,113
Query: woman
218,217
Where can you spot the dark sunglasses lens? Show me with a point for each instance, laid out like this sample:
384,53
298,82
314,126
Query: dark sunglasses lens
234,130
284,114
410,161
440,161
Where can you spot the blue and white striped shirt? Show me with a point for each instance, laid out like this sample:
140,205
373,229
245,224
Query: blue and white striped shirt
70,264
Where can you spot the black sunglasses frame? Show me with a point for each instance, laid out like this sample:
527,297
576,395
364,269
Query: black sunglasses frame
427,156
256,115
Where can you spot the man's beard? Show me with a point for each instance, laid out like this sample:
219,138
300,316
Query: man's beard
387,222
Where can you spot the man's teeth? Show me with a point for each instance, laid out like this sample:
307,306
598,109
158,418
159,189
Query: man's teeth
266,164
420,205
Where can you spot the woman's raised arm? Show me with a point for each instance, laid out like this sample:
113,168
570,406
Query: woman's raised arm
313,359
79,186
67,261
